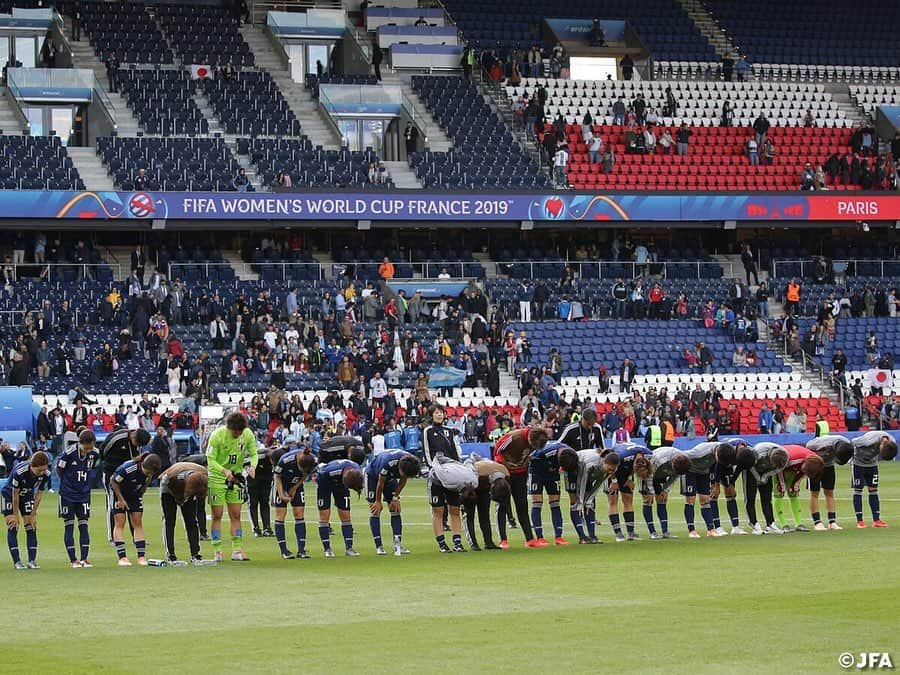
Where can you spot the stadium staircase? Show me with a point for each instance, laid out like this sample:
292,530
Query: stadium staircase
90,168
437,138
9,122
501,103
83,56
403,176
708,27
840,94
312,120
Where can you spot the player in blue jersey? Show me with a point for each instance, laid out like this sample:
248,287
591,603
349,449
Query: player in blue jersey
126,488
21,496
74,468
386,476
543,476
705,457
867,450
622,483
724,479
334,481
657,473
290,471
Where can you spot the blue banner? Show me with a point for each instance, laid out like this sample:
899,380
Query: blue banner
429,289
577,30
446,377
587,207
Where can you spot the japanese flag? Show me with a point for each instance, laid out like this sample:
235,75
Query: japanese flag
202,72
881,379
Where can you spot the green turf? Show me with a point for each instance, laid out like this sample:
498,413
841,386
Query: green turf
760,604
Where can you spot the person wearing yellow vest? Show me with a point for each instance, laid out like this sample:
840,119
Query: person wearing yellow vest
792,297
822,428
654,437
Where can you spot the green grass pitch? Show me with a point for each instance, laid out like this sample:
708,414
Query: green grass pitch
738,604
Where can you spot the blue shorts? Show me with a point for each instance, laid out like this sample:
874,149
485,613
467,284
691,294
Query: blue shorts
726,476
695,484
863,476
74,510
826,482
26,506
653,487
439,496
134,503
540,481
326,490
387,494
299,499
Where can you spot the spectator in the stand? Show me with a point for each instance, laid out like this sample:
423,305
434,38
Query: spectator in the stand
595,148
769,152
682,139
618,111
742,68
727,118
727,67
627,373
525,293
620,297
792,297
749,263
753,152
241,182
609,160
637,300
560,164
587,127
761,127
739,357
112,72
377,58
808,178
627,66
141,181
283,179
386,269
762,301
666,142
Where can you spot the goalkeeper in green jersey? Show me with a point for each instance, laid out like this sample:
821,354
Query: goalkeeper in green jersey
231,448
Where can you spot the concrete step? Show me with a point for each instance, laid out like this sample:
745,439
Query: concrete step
403,176
91,169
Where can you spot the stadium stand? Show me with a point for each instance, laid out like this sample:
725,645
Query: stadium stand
484,154
36,163
126,30
311,166
662,24
163,101
827,34
170,163
205,35
251,104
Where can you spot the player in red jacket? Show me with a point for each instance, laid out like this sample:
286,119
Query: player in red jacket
802,463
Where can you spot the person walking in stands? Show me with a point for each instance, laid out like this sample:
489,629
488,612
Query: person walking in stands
749,264
560,162
377,58
727,67
792,297
112,72
626,375
761,127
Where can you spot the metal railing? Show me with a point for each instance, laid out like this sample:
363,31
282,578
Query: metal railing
242,269
611,269
51,270
7,317
874,268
